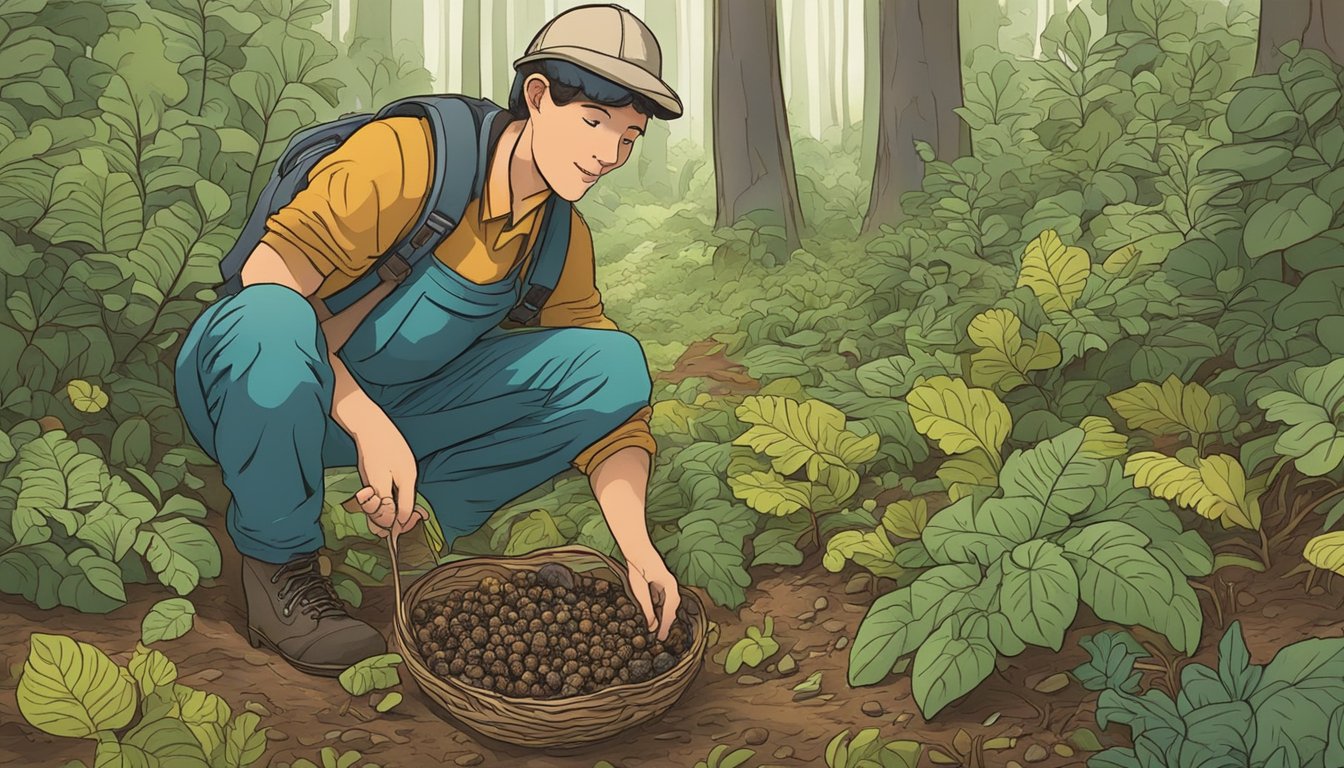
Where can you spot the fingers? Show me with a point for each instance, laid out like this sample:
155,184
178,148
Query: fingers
640,587
377,506
671,599
405,507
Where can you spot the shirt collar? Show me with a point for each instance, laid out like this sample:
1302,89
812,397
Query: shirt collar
498,195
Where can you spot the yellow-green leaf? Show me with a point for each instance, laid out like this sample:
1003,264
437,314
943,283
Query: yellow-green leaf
1327,552
1173,408
963,474
1056,273
89,398
1100,440
1004,359
795,434
151,669
906,518
73,689
960,418
386,703
1215,488
770,493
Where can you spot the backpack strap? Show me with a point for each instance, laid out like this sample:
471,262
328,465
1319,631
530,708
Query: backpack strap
546,261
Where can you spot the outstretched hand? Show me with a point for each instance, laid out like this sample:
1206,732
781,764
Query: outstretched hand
650,580
383,517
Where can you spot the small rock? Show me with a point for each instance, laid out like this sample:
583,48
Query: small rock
257,658
755,736
275,734
670,735
841,643
378,738
1036,753
787,666
1273,610
805,625
749,680
1316,591
872,709
807,615
770,668
1063,750
209,675
332,735
1056,682
471,758
805,695
784,752
354,734
820,604
859,582
1013,764
257,708
903,718
833,625
1245,598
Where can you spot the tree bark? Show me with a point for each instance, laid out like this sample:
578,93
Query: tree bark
845,111
1315,24
753,156
872,81
500,71
372,21
920,88
469,48
709,64
827,76
799,102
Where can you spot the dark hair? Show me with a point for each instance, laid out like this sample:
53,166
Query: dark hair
570,82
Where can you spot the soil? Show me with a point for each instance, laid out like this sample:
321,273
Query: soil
306,713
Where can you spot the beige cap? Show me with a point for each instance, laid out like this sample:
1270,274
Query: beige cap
609,41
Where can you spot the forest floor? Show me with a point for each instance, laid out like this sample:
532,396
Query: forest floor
815,612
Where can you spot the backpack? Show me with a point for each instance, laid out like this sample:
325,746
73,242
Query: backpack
456,122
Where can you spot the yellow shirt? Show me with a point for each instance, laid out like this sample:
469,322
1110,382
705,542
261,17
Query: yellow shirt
366,195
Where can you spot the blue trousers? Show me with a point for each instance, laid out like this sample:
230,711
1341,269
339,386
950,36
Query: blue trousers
508,412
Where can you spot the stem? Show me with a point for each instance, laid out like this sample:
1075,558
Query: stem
1264,546
1217,604
1302,513
1311,576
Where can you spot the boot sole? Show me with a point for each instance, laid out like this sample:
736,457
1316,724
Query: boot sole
259,640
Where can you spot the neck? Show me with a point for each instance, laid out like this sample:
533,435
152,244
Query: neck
525,178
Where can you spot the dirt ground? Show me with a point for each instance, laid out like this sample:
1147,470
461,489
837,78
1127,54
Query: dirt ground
305,713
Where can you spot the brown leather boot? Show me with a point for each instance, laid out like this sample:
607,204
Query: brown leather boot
294,610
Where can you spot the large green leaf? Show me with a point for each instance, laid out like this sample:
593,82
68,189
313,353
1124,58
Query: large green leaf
811,434
1311,407
180,551
951,662
94,206
69,688
1056,473
372,674
1173,408
167,620
535,530
1039,593
1280,223
162,741
701,556
770,493
960,418
1298,693
900,621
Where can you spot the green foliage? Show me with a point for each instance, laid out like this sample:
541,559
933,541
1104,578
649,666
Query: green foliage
331,757
721,757
867,749
74,533
372,674
1284,713
167,620
72,689
756,647
1113,654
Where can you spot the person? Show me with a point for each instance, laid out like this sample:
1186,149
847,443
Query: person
430,393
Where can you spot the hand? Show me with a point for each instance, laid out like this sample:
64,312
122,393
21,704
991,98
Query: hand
649,579
387,467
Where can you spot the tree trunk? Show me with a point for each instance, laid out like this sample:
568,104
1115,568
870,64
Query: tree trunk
872,80
753,157
372,21
709,63
408,26
799,103
336,22
500,71
662,19
921,85
470,48
1315,24
845,113
980,26
829,81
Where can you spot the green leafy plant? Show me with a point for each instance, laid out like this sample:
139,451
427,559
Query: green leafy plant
72,689
752,650
1288,712
1111,665
331,757
867,749
721,757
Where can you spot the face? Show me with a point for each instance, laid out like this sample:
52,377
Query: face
578,143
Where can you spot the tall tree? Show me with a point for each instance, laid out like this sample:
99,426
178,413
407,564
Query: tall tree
467,49
708,63
920,88
1317,24
662,19
800,102
827,74
500,70
372,22
845,116
753,157
872,81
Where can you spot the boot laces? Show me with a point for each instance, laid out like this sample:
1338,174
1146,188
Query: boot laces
307,588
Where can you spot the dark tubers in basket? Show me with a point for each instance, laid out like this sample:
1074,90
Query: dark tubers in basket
545,634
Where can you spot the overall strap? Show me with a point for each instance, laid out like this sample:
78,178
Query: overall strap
547,260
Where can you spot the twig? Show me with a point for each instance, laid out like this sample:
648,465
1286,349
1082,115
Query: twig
1301,515
1217,604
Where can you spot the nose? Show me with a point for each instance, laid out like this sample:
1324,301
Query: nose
608,155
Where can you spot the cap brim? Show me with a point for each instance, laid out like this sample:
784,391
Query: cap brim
616,70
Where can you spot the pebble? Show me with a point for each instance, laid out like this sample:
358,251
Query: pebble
354,734
903,718
787,665
859,582
820,604
805,695
1063,750
275,734
1013,764
841,643
471,758
209,675
807,615
755,736
1036,753
257,708
805,625
378,738
1245,598
784,752
872,709
256,658
1273,610
833,625
1056,682
749,680
332,735
1316,591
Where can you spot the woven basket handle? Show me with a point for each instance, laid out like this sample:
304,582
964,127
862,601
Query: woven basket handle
396,570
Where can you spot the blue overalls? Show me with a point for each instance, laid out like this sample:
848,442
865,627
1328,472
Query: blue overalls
489,413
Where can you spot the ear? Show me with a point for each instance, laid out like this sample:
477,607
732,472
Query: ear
536,89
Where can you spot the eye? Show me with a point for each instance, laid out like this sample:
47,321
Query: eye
593,123
628,142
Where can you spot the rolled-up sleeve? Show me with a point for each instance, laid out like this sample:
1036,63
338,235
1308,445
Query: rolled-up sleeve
634,432
360,200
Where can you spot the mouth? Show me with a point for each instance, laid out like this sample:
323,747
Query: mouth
588,177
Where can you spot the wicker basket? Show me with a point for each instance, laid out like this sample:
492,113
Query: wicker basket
546,723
